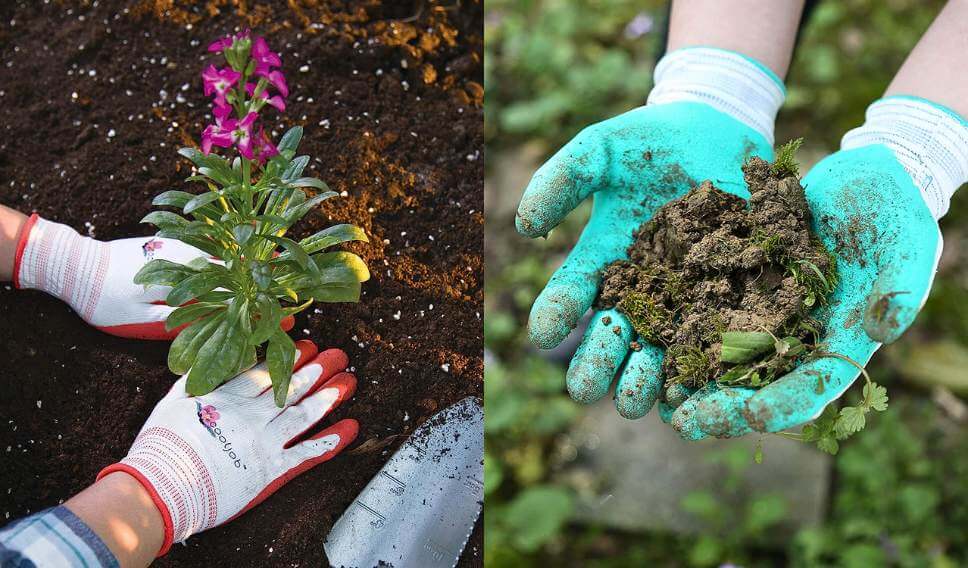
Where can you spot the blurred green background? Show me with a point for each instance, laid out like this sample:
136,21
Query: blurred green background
896,495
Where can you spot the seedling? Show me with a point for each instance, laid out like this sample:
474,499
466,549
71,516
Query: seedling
234,301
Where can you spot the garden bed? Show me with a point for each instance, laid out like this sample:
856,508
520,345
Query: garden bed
390,98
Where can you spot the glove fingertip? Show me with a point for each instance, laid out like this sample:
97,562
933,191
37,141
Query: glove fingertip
888,316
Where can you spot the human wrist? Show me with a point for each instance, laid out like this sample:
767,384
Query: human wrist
730,82
11,229
177,481
120,511
930,142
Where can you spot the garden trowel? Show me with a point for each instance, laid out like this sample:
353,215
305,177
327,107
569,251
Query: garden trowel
420,509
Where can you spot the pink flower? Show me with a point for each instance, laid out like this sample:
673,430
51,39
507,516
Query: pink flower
275,100
265,59
278,80
242,136
267,149
208,415
221,44
220,133
219,81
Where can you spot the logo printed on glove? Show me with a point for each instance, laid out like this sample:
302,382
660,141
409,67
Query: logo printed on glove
207,416
148,249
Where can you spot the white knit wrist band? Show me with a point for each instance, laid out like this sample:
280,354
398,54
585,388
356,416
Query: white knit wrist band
725,80
929,141
59,261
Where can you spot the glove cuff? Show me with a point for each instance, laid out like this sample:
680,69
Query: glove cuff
177,479
929,140
730,82
54,258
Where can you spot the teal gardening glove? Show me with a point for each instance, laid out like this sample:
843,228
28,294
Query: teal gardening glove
875,204
710,111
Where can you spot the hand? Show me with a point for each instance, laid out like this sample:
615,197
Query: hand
633,164
206,460
875,205
96,278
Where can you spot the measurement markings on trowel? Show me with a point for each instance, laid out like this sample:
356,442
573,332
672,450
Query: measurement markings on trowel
400,486
379,522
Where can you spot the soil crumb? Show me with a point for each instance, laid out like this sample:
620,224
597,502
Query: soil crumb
709,262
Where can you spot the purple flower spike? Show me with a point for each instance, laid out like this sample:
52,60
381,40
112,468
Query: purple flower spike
219,81
242,136
265,59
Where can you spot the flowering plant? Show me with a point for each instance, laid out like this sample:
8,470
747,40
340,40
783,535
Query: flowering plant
234,301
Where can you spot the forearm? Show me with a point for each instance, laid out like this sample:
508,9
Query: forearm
11,223
937,69
120,511
764,31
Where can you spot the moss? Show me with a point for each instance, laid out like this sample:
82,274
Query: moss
772,245
648,317
817,274
691,364
785,164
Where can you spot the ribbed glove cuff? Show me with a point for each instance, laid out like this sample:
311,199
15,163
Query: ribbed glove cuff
930,142
727,81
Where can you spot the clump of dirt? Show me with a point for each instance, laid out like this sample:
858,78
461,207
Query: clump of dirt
710,263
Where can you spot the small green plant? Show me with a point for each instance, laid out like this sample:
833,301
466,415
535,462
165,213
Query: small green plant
761,357
234,301
691,365
785,164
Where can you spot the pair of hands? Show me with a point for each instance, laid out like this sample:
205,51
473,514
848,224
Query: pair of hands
866,209
203,460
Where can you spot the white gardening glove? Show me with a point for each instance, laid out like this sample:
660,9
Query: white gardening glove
205,460
96,278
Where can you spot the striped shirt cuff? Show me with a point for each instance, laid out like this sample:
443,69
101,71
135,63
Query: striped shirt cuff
54,537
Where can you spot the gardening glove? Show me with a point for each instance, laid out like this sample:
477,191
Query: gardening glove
710,111
96,278
875,205
206,460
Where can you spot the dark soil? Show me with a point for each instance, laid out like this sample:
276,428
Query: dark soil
710,262
391,104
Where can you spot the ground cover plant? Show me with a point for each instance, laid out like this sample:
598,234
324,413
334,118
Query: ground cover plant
728,288
230,304
401,148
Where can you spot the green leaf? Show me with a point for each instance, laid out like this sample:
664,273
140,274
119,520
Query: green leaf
852,419
828,444
296,167
183,350
331,262
333,236
335,292
310,182
536,515
744,346
194,286
280,358
172,198
269,316
200,201
294,250
295,212
876,395
190,313
165,219
162,273
243,232
290,141
204,244
219,358
758,452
